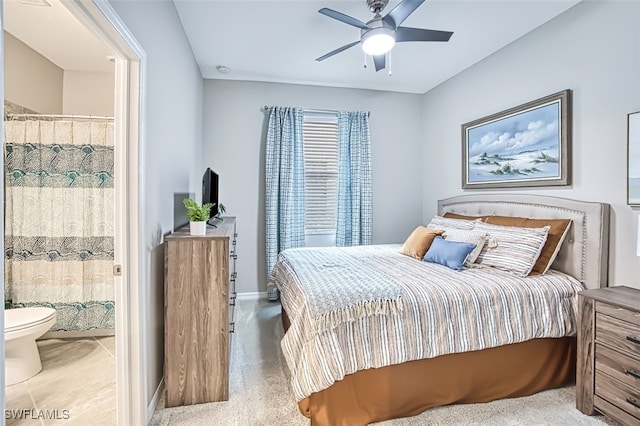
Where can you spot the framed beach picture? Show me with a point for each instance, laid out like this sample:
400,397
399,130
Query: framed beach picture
528,145
633,158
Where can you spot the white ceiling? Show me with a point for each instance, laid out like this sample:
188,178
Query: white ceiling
56,34
278,41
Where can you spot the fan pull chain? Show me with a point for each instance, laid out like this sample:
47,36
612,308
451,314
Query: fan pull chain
389,62
365,60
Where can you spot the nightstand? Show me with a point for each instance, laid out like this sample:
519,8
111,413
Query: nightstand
608,362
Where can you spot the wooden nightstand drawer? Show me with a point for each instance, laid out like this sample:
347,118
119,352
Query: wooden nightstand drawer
618,394
618,312
619,366
608,359
615,333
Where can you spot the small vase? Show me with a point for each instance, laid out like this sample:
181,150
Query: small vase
198,228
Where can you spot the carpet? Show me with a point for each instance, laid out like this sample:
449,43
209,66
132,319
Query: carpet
259,392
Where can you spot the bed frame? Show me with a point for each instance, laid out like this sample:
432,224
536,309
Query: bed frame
507,371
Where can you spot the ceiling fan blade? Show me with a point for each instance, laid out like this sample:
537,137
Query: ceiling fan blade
343,18
401,12
338,50
419,34
379,61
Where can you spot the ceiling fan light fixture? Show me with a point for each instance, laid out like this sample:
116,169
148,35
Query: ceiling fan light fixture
378,41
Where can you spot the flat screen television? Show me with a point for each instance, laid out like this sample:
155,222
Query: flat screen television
210,191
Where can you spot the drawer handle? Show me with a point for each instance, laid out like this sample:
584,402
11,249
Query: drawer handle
633,339
633,402
632,372
232,327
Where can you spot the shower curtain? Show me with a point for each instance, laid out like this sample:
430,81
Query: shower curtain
59,220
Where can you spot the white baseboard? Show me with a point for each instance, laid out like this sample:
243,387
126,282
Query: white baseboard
256,295
80,333
155,400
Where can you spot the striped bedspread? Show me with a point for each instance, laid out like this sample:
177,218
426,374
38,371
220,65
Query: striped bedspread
442,311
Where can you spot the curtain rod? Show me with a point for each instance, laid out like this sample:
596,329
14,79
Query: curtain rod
320,111
82,117
316,111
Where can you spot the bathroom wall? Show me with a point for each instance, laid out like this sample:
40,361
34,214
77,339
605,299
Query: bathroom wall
30,79
76,85
34,82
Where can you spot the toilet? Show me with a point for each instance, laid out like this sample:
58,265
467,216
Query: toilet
22,326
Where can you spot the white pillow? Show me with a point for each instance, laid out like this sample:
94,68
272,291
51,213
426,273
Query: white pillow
439,222
468,236
511,248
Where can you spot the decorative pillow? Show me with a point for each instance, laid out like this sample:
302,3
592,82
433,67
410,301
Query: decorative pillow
451,254
439,222
450,215
559,228
467,236
511,248
419,241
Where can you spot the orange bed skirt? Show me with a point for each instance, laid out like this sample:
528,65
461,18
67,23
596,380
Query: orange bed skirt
410,388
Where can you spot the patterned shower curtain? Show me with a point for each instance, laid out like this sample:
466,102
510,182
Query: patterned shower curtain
59,220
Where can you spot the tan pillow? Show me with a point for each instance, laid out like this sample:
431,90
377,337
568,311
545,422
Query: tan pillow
463,217
557,233
419,241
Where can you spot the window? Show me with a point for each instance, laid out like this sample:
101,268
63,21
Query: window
320,135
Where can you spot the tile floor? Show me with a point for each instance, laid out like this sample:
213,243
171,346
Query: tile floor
77,385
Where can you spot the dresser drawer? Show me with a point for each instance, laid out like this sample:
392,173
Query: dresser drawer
615,333
619,366
618,394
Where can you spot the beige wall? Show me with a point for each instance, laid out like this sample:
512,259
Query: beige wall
234,135
34,82
77,85
600,67
30,79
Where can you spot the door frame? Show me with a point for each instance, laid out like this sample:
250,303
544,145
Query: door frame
129,169
2,378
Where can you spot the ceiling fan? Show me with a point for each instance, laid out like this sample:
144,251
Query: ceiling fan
379,35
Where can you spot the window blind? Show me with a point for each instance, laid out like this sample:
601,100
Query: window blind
320,137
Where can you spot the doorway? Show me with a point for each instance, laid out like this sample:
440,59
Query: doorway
103,22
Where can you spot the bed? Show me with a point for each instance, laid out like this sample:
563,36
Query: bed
407,346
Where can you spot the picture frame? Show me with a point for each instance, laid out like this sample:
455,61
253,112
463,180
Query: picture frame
525,146
633,159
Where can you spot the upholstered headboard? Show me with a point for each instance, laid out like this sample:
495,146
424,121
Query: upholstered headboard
585,250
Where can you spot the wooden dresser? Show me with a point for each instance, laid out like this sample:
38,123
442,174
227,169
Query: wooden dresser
608,375
199,299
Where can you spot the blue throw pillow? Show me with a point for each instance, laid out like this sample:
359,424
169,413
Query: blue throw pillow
451,254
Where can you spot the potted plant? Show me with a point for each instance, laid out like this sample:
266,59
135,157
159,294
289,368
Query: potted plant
198,216
221,211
